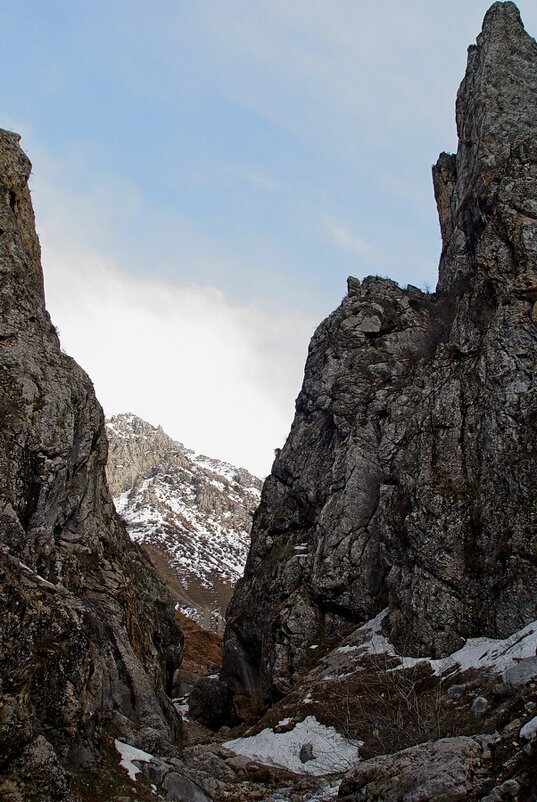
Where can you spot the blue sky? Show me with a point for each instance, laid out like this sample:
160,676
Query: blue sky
208,173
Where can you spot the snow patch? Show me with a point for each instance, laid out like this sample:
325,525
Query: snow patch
39,578
529,730
331,751
128,755
181,705
494,654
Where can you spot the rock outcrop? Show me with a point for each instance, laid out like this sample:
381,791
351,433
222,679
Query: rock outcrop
443,770
408,478
192,513
88,640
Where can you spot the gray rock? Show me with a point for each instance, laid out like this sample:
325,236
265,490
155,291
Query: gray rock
509,790
215,766
183,682
209,703
442,770
306,752
455,691
240,763
36,770
408,479
479,705
180,789
156,770
520,674
353,286
98,631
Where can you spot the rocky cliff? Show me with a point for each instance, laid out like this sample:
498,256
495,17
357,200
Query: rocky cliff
408,479
192,513
88,641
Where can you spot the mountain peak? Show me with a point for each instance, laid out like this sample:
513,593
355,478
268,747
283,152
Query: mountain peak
192,513
479,191
502,17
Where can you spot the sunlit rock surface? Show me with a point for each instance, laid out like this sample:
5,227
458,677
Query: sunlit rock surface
408,478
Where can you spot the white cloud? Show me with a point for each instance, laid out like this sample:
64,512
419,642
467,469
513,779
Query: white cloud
219,377
345,238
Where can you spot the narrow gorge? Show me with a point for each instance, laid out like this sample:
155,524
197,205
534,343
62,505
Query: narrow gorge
382,643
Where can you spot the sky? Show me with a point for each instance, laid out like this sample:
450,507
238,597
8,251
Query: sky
207,173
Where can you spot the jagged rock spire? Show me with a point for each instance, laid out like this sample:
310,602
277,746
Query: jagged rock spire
489,181
408,477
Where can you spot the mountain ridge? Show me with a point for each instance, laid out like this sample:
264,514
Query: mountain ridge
192,513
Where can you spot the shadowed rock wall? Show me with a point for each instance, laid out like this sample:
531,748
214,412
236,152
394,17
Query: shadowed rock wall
87,635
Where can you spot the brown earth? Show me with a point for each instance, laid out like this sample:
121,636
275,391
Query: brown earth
202,649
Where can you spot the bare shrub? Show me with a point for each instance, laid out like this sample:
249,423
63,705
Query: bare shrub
387,709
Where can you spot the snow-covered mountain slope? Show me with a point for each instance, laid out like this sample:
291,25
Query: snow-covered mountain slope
192,513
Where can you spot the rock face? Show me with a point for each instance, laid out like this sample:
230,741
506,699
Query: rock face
87,634
408,478
192,513
442,770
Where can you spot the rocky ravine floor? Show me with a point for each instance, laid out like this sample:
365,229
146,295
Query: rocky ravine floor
364,723
192,513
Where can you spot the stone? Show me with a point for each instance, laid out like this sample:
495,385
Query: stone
408,479
306,752
215,766
508,790
180,789
37,770
521,674
209,703
155,770
441,770
353,286
455,691
240,763
479,705
183,682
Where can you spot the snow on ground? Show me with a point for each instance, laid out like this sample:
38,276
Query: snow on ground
529,730
128,754
39,578
331,751
181,705
496,655
327,793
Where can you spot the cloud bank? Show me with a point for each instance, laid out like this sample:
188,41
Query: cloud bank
219,377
